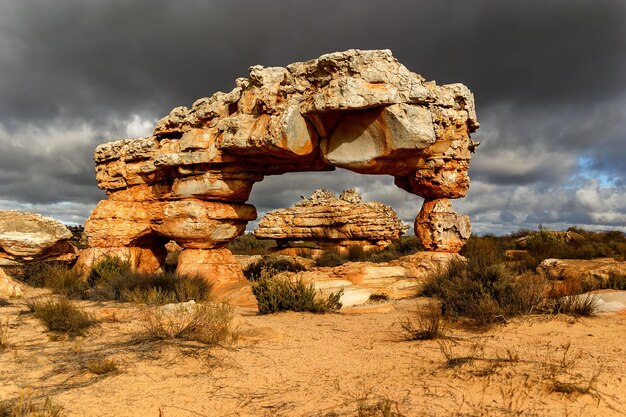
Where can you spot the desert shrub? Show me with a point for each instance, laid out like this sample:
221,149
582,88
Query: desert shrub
275,294
407,244
207,323
102,366
62,316
484,293
155,288
253,271
248,244
27,405
330,258
428,325
60,279
107,268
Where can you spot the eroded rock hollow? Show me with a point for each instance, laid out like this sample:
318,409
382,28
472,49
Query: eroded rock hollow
189,181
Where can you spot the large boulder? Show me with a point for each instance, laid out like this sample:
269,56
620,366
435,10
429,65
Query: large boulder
27,236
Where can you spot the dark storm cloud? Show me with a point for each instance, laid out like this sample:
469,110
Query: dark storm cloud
548,77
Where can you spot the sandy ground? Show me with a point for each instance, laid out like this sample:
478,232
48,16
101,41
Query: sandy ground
298,364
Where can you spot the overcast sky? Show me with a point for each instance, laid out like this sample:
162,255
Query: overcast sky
549,78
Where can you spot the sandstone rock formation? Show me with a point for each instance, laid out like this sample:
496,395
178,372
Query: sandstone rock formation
28,236
333,222
358,110
8,286
397,279
591,271
440,228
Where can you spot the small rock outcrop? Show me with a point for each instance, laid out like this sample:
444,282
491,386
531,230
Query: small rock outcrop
29,236
333,222
189,181
397,279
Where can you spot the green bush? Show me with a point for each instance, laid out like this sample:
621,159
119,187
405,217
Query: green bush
275,294
107,268
254,270
62,316
156,288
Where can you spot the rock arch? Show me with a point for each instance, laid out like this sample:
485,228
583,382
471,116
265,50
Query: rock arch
358,110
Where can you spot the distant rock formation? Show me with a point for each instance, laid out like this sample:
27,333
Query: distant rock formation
333,222
188,182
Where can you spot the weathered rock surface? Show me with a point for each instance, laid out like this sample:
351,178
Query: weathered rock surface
440,228
358,110
220,268
592,270
8,286
330,221
26,236
397,279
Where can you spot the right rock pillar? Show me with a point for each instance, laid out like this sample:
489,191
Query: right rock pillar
440,228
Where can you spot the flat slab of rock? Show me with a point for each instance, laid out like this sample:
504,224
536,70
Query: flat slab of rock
30,236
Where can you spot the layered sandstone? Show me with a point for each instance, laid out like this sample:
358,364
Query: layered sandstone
358,110
329,221
28,236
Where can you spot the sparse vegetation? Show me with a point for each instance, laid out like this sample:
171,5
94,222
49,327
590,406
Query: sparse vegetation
207,323
484,293
248,244
62,316
157,288
27,405
377,407
277,264
428,325
281,293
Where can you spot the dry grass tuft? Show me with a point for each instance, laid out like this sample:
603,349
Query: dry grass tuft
102,366
207,323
